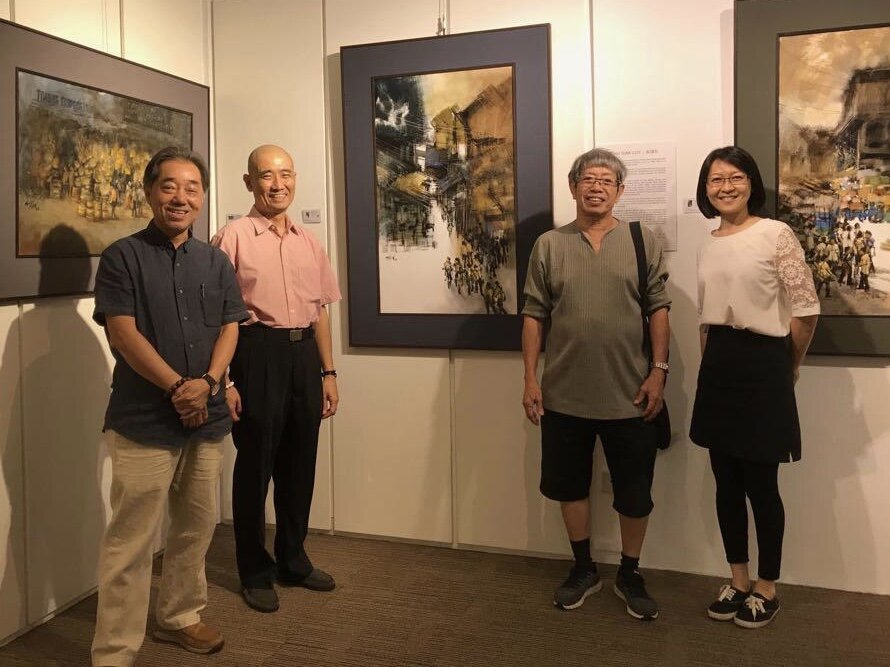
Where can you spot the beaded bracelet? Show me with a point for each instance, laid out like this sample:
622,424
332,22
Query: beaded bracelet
181,381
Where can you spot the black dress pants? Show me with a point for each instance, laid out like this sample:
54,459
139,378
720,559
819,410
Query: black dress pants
276,438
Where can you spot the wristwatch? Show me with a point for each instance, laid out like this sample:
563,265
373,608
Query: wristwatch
214,385
663,365
331,373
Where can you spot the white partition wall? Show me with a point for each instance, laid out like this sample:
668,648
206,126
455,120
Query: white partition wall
152,37
393,438
269,89
681,99
56,365
65,382
93,23
656,72
431,445
498,461
497,450
13,585
834,498
55,377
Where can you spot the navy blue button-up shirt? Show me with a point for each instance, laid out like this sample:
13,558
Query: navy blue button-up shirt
180,299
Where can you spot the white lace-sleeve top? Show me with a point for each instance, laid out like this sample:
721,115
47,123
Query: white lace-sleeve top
756,279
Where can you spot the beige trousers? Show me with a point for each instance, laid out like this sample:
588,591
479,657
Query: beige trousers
143,480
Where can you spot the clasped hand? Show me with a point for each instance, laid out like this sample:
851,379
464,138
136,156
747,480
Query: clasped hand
190,401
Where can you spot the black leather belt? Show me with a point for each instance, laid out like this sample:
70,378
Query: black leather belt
278,334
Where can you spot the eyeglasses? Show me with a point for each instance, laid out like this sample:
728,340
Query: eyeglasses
718,181
605,182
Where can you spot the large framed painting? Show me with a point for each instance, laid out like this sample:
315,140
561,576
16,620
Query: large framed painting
448,184
813,107
80,127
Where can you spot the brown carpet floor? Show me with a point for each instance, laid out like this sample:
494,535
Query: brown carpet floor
408,605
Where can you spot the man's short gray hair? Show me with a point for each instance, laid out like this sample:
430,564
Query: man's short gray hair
597,157
153,168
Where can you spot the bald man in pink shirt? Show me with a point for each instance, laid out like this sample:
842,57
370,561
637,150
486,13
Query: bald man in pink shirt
281,382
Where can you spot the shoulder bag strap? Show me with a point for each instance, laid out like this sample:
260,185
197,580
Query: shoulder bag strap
640,250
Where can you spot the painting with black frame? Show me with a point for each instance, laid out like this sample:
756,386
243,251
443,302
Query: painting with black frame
448,184
81,126
760,28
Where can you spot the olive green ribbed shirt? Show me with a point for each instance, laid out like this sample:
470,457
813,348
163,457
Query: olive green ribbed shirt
595,362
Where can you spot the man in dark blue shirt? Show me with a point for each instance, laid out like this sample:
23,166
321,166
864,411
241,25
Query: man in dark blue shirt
170,306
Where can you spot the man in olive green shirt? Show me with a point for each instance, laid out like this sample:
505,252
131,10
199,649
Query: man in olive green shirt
597,381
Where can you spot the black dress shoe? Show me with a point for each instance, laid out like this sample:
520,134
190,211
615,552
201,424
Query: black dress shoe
317,580
261,599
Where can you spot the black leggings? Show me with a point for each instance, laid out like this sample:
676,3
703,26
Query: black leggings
737,478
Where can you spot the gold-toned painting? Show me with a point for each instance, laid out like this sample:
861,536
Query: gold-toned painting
80,159
445,192
833,162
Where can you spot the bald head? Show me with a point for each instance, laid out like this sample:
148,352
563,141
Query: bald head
268,151
270,177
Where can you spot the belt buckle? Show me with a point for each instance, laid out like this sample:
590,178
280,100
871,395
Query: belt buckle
295,335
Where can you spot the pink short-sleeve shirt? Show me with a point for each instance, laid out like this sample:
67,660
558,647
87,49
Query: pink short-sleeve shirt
284,280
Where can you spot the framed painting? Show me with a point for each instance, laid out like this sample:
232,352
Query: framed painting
812,102
82,127
448,184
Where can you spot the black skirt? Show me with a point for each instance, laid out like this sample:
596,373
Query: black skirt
744,404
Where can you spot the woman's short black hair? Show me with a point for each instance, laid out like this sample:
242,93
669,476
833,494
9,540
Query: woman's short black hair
741,160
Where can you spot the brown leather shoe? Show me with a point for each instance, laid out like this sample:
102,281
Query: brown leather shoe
197,638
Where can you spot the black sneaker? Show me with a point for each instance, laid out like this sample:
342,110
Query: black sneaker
727,604
632,589
757,611
575,589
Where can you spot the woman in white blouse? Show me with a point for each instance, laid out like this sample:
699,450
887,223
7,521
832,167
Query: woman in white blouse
754,289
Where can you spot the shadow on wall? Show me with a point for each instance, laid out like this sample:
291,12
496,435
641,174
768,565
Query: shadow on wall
337,193
525,520
12,547
673,520
498,457
684,507
64,390
545,523
829,540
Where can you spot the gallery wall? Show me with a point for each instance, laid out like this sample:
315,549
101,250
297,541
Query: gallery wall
679,88
270,89
431,445
56,366
428,445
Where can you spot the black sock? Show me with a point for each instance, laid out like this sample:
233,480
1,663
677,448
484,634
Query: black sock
628,564
581,551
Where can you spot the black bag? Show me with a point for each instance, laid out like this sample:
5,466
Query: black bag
662,420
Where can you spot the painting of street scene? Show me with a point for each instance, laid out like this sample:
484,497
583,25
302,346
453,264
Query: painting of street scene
81,156
444,153
833,162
